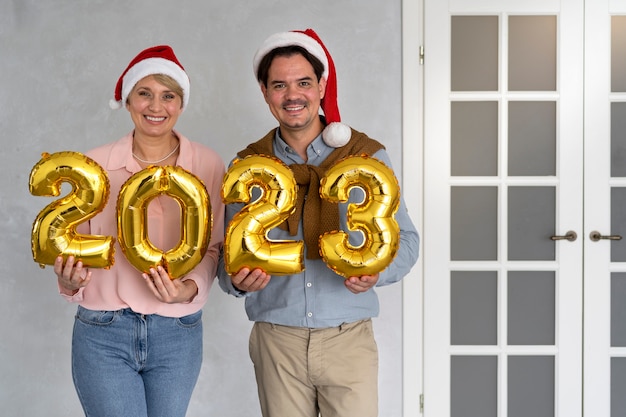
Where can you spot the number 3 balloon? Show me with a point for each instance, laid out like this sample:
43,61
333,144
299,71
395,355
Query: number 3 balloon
373,217
54,229
132,207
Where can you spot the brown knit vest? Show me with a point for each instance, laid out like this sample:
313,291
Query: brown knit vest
319,216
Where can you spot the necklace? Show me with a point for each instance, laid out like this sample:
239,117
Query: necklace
160,160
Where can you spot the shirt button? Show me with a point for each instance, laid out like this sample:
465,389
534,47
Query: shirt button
308,284
309,314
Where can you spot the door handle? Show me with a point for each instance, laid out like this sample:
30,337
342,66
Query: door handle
570,236
596,236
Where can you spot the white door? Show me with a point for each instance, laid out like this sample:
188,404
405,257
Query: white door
605,209
503,232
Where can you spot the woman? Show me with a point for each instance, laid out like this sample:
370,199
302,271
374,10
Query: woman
137,341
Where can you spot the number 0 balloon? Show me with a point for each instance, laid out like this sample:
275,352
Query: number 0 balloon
132,206
373,217
54,230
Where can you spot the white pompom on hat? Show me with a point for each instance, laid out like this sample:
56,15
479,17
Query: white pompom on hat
155,60
335,133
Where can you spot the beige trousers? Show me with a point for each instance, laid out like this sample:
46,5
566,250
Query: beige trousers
301,372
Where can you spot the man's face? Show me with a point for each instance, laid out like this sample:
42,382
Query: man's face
294,94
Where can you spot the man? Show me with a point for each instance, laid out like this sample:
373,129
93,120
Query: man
312,342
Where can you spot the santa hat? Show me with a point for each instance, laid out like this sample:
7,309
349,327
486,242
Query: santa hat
335,133
156,60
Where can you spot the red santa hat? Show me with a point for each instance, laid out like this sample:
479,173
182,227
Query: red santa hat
156,60
335,133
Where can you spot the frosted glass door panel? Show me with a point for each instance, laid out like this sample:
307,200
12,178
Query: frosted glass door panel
531,307
532,53
474,53
618,387
474,308
474,223
618,139
618,223
531,386
474,138
474,386
532,138
618,309
531,223
618,53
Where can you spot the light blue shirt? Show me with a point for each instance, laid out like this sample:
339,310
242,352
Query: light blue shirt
317,297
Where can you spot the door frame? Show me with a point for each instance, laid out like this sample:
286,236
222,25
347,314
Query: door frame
412,163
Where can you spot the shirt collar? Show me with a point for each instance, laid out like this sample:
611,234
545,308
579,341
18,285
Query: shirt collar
316,149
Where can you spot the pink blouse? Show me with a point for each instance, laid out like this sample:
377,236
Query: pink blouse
122,285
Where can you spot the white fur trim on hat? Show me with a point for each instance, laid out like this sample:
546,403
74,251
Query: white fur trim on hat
151,66
281,39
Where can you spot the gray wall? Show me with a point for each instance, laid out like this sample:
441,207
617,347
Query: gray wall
59,61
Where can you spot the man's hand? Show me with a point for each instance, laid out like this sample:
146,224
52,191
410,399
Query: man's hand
361,284
250,280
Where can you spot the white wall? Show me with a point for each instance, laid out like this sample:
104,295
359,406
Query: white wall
59,61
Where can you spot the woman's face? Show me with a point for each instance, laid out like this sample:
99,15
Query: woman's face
153,107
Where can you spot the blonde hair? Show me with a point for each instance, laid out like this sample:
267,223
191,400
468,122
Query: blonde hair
168,82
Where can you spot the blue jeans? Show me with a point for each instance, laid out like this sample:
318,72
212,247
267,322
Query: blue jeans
129,364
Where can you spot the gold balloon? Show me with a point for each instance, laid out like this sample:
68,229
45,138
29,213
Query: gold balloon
54,229
373,217
132,205
246,243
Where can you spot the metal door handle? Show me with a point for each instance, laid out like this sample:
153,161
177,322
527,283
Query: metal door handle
570,236
595,236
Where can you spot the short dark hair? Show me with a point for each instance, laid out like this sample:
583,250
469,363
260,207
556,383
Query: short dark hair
262,73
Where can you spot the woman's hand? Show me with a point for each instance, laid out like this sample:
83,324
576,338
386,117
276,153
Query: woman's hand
71,277
169,290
